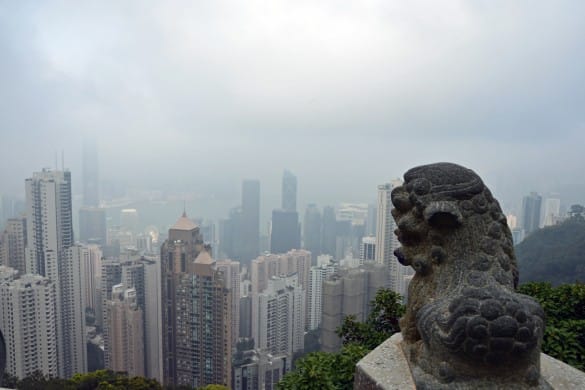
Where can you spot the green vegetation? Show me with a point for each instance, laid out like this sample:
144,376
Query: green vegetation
321,370
564,307
555,254
97,380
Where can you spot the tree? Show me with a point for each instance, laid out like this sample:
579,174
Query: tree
382,322
564,308
320,370
555,254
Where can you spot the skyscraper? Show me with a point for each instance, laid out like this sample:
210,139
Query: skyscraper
230,235
348,291
368,249
92,225
318,275
259,370
329,231
386,240
49,221
28,321
197,316
289,191
91,278
142,275
265,267
13,244
153,327
90,174
250,222
280,318
312,231
51,253
231,274
286,232
531,205
552,211
126,326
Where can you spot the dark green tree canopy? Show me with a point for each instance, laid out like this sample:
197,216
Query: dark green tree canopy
564,306
555,254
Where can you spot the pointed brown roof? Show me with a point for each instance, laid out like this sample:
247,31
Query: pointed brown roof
184,223
204,258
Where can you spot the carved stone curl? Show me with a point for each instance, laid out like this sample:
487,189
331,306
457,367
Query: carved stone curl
464,327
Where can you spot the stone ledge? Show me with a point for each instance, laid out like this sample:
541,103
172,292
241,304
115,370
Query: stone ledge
386,368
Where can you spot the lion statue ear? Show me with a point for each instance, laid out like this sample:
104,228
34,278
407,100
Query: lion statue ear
443,215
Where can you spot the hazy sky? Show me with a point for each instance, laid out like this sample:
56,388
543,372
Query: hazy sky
346,94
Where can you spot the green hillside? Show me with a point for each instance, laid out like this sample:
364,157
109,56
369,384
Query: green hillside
554,254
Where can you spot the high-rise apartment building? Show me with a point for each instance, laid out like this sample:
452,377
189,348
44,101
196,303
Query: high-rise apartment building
72,306
110,275
371,221
286,264
552,211
368,249
231,274
312,226
250,221
286,231
197,316
28,321
259,370
289,191
50,253
143,275
126,330
329,232
266,267
348,292
386,240
230,237
318,274
153,327
279,323
10,207
13,244
49,221
92,225
531,205
91,278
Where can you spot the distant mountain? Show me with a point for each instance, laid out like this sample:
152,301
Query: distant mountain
555,254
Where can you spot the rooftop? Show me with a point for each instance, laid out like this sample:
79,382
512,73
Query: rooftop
184,223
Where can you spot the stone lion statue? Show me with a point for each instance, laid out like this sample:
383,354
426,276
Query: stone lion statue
465,326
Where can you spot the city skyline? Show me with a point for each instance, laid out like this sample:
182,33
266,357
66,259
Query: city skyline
202,192
492,88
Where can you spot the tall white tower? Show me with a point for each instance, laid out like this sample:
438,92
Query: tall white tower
386,240
49,253
318,275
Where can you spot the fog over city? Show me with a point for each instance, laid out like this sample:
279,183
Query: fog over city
195,96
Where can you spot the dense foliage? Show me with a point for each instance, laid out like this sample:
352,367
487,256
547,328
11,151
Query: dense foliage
564,307
96,380
321,370
555,254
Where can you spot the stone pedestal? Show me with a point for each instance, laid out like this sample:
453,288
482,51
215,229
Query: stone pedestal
386,368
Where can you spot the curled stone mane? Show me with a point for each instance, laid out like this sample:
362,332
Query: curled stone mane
463,318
